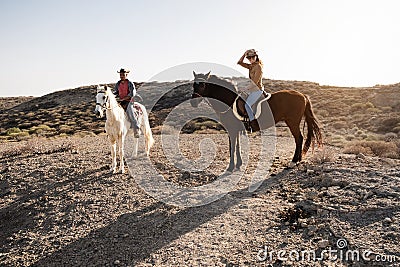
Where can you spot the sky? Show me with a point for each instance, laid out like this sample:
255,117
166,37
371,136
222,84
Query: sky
50,45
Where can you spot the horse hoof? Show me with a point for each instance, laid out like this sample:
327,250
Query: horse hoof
291,165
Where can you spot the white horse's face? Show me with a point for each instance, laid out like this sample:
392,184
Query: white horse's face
101,104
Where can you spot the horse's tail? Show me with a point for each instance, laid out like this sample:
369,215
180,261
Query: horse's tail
147,132
313,129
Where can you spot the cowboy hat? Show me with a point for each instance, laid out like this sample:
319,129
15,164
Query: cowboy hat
123,71
251,53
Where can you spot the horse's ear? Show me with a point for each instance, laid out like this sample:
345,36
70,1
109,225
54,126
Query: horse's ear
208,75
194,74
98,88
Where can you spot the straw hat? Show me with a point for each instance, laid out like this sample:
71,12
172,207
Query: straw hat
251,53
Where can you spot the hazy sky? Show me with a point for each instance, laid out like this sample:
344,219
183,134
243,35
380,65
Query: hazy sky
48,45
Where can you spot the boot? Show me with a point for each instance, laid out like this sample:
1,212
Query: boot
254,126
136,130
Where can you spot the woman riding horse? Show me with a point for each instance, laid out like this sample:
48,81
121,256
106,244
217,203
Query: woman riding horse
286,105
256,88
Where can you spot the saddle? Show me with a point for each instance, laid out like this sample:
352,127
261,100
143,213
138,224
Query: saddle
240,106
240,103
137,109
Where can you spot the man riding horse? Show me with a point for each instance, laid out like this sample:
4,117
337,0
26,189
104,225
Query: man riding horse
125,90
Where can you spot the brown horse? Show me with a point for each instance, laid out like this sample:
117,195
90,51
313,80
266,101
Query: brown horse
287,105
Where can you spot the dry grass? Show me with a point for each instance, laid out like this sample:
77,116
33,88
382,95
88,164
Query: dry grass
36,146
374,148
324,155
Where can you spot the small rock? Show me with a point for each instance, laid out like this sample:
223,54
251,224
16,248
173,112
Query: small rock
117,262
360,156
311,195
310,172
185,175
387,220
312,229
368,195
323,243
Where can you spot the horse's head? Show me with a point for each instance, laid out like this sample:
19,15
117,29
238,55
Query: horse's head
101,101
199,88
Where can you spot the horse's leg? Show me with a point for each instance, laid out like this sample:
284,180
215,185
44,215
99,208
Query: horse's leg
298,137
239,161
121,153
135,146
148,136
113,155
232,144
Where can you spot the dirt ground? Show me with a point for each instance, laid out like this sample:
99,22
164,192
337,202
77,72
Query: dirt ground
61,206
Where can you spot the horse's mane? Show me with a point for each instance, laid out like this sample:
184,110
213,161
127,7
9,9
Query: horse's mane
111,96
223,83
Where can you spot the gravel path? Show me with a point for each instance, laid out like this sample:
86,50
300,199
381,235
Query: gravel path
60,206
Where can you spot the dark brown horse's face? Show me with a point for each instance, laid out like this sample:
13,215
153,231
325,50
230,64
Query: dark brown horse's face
199,88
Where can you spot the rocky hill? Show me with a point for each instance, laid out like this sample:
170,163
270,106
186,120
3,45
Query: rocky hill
354,117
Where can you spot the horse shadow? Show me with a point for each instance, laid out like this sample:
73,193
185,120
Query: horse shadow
21,214
133,237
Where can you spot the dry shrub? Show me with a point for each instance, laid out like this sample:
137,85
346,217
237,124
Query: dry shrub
374,148
13,130
357,107
322,156
389,124
339,125
65,129
396,129
322,113
363,107
390,137
386,109
337,140
369,105
373,110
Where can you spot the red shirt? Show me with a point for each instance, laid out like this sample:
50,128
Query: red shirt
123,89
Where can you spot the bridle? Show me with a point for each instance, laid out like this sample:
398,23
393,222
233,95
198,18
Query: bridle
103,105
205,98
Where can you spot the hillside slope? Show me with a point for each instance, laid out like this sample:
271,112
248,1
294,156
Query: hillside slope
347,115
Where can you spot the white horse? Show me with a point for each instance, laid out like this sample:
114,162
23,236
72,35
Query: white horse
118,125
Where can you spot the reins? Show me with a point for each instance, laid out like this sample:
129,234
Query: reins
209,104
104,105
